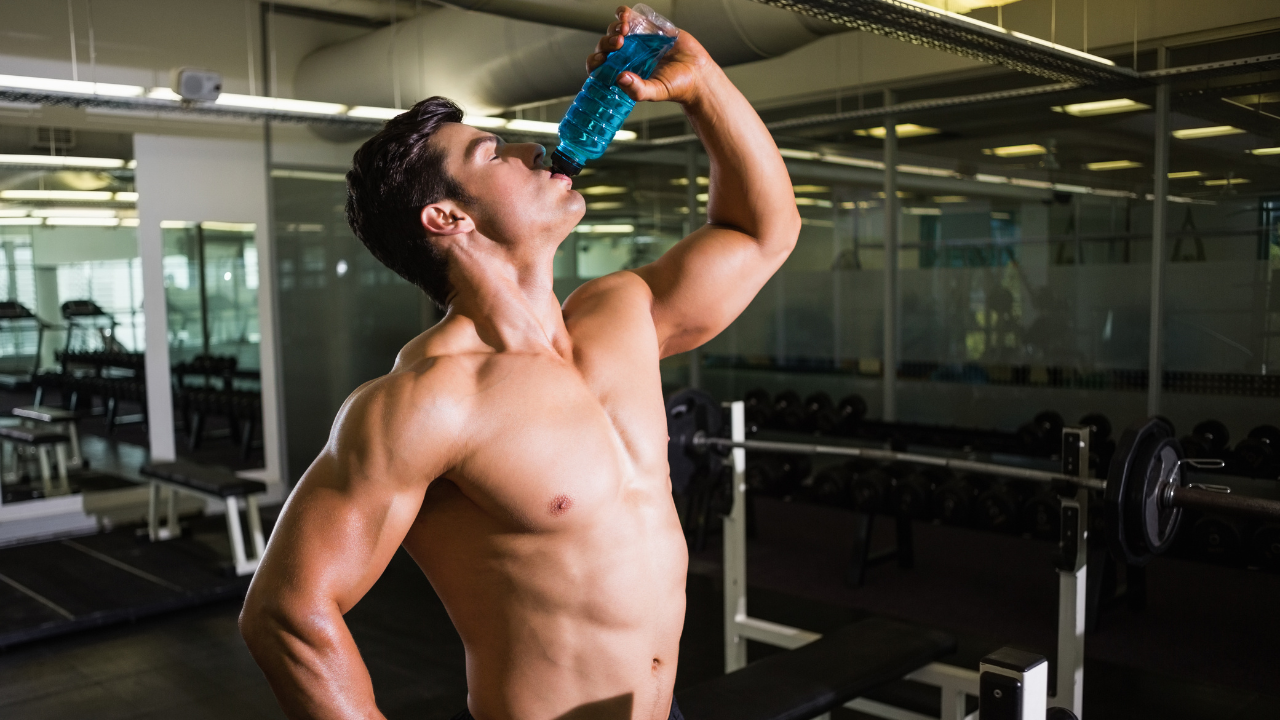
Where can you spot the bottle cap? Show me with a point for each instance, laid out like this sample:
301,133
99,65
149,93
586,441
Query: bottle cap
563,164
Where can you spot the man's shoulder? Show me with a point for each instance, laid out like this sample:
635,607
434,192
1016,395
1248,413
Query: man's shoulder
623,288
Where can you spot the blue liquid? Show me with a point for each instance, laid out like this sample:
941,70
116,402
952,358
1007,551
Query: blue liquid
600,109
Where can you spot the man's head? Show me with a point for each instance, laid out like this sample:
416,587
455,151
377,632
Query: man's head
427,184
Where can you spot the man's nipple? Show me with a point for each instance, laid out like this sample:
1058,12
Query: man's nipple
560,505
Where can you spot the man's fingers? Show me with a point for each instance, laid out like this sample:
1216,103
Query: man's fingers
638,89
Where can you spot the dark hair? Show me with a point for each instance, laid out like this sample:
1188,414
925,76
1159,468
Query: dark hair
393,176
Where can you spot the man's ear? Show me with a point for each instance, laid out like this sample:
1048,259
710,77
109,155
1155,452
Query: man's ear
446,218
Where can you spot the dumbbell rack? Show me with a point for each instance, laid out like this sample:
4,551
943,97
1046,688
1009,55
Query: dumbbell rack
953,682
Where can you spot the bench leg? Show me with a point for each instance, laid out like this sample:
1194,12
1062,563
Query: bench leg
77,460
60,455
112,405
255,527
244,566
153,499
174,530
197,430
46,479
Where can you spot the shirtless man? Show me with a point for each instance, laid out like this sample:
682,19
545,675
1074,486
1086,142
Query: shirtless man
518,449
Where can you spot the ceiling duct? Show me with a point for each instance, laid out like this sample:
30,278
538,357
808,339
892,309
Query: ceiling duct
493,54
920,24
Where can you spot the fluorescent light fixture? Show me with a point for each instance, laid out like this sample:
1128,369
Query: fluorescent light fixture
603,190
261,102
83,221
373,113
609,205
623,135
905,130
1206,132
1104,192
176,224
71,86
228,226
74,212
91,195
950,198
1001,216
483,121
20,221
127,197
533,126
993,179
1027,182
1101,107
702,197
128,222
852,161
606,229
131,165
309,175
14,212
684,181
810,188
1015,150
163,93
922,211
62,161
799,154
1077,189
1265,151
1185,174
816,202
1112,165
1226,181
924,170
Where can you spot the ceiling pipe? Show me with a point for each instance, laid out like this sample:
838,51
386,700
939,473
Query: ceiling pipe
489,55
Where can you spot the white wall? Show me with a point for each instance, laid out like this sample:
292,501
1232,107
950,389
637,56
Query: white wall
198,179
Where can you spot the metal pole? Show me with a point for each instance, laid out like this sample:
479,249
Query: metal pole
204,291
1073,576
890,353
1159,205
735,547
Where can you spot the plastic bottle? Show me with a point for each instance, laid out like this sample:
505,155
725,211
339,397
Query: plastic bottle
601,107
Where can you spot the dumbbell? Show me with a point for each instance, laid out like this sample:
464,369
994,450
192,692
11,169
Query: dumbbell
1043,433
1218,539
953,500
997,507
788,411
1099,424
776,475
913,490
1041,515
851,410
1266,546
870,489
820,414
1258,455
1214,435
829,486
759,407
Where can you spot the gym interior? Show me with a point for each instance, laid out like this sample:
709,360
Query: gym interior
1013,396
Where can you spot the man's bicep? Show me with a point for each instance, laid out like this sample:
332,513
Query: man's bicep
704,282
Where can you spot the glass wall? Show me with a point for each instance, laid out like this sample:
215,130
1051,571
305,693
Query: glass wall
211,291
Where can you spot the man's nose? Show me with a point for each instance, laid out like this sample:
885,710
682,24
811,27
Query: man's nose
533,153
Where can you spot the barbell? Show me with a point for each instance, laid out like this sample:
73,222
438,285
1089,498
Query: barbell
1144,494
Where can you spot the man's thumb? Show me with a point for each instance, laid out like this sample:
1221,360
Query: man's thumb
636,87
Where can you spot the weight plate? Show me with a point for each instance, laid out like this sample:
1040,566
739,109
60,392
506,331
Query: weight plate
1138,525
688,413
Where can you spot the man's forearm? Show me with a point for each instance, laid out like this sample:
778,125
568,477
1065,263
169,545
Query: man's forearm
750,188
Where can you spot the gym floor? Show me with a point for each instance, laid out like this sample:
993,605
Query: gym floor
1203,648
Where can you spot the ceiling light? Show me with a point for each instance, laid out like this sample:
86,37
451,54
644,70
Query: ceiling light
71,86
950,198
373,113
262,102
127,197
1185,174
799,154
1015,150
533,126
810,188
1001,216
309,175
1265,151
20,221
83,221
176,224
131,165
684,181
609,205
702,197
925,170
62,161
1101,107
228,226
483,121
816,202
922,211
14,212
994,179
905,130
603,190
597,229
128,222
624,135
1226,181
1206,132
74,212
1113,165
853,161
163,93
99,195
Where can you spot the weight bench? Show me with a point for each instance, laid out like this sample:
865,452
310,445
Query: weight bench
816,678
209,482
41,439
61,420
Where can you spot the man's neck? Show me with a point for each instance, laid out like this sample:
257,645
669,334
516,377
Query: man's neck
510,300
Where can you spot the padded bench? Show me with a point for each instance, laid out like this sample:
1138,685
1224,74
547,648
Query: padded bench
216,483
41,439
819,677
62,420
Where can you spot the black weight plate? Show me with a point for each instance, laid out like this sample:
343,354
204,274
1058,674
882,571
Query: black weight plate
1214,434
1101,427
688,412
1136,469
1157,522
1266,546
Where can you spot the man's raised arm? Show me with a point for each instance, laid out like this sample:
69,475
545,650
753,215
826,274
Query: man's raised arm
707,279
338,531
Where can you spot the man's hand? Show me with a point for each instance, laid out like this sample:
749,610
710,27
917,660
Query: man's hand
679,77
